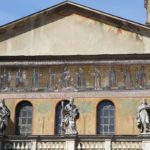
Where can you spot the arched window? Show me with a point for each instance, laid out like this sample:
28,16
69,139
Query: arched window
24,118
58,116
105,118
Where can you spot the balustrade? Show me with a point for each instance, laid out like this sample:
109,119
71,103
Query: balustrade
72,143
126,145
17,145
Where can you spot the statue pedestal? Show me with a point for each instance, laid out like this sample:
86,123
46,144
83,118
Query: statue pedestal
146,144
147,134
145,140
70,144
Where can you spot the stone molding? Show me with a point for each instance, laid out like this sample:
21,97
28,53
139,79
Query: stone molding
63,95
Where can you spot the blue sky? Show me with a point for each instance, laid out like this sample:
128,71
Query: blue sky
11,10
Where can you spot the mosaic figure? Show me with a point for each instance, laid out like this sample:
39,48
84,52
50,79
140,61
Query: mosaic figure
51,80
127,78
70,115
96,79
80,79
141,77
19,79
112,77
24,78
4,80
9,79
143,118
66,78
4,116
35,78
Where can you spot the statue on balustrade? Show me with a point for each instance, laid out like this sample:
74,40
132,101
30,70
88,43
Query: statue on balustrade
127,78
51,80
141,77
81,84
35,78
66,78
96,79
70,115
4,116
112,78
143,118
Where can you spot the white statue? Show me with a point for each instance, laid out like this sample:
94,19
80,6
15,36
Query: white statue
70,115
4,116
143,117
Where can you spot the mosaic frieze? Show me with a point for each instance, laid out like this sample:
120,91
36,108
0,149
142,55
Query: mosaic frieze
75,78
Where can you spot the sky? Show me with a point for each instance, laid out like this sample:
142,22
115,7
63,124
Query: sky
11,10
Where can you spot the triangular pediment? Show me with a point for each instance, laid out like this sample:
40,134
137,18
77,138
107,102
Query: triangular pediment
72,29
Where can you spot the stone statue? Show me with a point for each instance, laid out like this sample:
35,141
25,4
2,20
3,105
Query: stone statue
147,6
70,115
96,79
127,78
4,116
51,80
66,78
35,78
143,118
112,77
80,79
141,77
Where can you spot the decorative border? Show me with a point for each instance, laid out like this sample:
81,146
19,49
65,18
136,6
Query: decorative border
63,95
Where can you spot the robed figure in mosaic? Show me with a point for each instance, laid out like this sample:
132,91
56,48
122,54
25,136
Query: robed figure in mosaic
96,79
66,78
143,118
112,78
4,116
5,80
35,78
70,115
141,78
81,84
127,78
51,85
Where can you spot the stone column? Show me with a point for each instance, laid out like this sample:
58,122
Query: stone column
147,6
70,144
107,144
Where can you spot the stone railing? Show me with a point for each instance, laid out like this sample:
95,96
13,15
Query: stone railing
75,143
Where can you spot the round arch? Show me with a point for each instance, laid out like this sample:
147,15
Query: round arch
58,115
105,120
23,117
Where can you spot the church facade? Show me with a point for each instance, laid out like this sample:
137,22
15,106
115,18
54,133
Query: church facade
70,50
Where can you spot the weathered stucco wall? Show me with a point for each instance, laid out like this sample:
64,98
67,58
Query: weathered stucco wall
44,115
73,35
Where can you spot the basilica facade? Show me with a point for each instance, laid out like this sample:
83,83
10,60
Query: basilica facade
70,50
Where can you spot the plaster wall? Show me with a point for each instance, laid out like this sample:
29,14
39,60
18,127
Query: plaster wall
74,35
44,115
